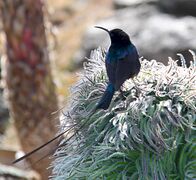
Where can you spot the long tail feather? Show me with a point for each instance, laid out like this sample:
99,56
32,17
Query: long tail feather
43,145
56,137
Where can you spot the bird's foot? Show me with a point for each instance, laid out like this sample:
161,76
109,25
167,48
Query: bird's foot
139,90
122,94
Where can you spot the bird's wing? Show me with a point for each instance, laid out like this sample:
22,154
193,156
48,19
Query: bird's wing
126,68
111,70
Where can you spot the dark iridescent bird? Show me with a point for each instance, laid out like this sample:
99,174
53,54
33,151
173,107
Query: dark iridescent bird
122,62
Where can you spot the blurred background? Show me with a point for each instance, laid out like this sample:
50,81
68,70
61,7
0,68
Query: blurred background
43,45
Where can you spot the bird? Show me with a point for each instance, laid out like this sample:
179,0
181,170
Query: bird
122,63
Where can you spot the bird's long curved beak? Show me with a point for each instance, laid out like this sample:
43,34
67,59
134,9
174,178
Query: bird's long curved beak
102,28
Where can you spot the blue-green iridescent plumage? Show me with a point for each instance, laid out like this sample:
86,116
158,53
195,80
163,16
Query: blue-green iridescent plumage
118,53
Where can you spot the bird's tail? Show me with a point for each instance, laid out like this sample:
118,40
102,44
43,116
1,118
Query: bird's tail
107,97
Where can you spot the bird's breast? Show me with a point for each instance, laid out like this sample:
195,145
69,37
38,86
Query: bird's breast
116,53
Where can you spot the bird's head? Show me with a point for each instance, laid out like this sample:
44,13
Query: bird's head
117,36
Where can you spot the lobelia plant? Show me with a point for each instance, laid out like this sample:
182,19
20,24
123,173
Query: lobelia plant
148,135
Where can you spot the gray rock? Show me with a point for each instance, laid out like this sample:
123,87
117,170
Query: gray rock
157,35
179,7
119,4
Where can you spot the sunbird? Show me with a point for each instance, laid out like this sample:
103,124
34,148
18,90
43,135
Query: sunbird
122,62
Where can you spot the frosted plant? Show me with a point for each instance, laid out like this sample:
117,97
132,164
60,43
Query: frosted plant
150,135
